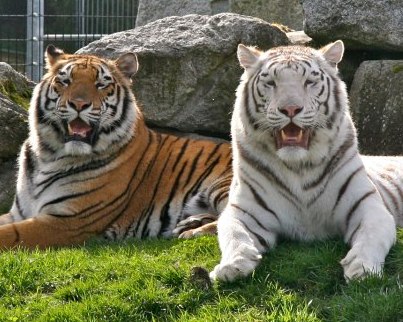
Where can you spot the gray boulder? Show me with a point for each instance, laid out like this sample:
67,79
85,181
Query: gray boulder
367,24
15,92
151,10
377,105
8,178
188,66
285,12
13,129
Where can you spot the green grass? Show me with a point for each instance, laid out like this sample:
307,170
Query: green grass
149,281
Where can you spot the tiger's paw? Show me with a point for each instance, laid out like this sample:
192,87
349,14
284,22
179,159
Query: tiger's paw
358,266
196,225
239,267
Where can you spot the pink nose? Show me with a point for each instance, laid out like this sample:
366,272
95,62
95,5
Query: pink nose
290,110
79,103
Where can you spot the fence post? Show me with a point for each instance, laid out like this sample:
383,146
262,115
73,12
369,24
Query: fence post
34,57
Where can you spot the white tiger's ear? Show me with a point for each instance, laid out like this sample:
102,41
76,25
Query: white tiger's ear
248,56
128,64
333,52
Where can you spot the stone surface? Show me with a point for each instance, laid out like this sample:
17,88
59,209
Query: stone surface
377,105
8,177
151,10
366,24
13,129
286,12
188,67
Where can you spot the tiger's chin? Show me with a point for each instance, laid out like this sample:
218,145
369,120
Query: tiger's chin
77,148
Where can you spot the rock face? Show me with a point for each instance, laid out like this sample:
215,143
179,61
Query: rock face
151,10
15,91
14,128
377,101
286,12
188,66
8,176
369,24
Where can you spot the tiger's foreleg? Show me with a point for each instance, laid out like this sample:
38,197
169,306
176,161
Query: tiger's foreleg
41,232
241,248
371,232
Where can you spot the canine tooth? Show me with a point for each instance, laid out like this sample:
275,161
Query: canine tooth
299,137
283,135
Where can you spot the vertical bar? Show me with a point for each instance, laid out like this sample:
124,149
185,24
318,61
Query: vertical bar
34,47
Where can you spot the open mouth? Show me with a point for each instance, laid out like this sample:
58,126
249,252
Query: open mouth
78,130
292,135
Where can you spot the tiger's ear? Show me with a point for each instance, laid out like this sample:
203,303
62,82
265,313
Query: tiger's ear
248,56
333,52
52,55
127,64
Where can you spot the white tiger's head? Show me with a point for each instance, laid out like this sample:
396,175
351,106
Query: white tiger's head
83,105
293,94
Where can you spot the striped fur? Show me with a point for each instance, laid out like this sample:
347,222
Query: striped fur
297,170
91,166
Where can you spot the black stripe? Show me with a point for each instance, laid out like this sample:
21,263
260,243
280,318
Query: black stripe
343,188
193,166
252,121
267,172
356,205
259,199
181,153
333,162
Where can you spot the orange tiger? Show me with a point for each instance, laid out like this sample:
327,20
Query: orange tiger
91,166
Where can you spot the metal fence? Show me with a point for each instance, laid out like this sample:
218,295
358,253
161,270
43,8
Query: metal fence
26,28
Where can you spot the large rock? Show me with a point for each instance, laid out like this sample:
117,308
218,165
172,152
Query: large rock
286,12
188,66
13,129
368,24
8,176
151,10
377,104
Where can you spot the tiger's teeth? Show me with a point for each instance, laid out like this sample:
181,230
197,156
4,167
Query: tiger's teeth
299,137
283,135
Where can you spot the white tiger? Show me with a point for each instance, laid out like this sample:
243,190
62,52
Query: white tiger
297,171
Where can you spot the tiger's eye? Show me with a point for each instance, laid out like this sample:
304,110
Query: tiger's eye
309,82
271,83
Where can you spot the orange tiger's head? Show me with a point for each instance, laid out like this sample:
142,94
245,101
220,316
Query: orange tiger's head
84,104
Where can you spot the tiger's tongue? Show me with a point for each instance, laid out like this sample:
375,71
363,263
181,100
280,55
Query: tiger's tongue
79,127
292,135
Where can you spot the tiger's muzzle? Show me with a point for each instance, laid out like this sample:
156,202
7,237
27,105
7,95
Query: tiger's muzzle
292,135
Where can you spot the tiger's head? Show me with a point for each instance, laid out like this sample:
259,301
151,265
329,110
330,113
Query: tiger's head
294,94
83,105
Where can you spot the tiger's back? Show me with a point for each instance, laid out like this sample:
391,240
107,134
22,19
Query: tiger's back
92,166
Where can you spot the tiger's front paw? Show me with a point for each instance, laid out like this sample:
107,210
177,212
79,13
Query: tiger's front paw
239,267
358,266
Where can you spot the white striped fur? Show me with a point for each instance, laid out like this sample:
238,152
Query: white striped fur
305,181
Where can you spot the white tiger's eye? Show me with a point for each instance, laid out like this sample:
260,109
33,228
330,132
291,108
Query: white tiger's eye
309,82
271,83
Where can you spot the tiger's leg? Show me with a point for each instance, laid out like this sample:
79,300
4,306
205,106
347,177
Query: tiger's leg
6,219
241,247
371,232
42,232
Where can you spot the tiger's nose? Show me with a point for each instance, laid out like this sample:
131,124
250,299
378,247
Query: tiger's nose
79,103
290,110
